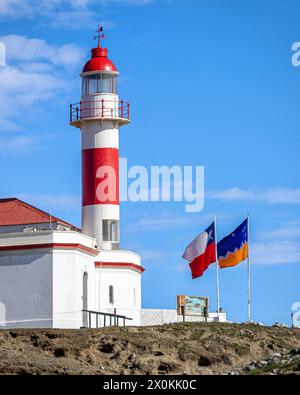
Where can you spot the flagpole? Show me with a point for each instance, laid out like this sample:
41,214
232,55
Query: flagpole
249,273
217,269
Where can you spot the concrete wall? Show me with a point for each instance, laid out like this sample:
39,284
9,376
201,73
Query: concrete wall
126,283
26,289
68,271
127,292
151,317
44,287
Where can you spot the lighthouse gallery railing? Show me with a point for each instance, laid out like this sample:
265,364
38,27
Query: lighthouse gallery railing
95,109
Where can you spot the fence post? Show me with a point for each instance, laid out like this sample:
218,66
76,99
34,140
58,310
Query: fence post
90,320
102,102
122,108
77,113
70,112
115,316
80,110
128,110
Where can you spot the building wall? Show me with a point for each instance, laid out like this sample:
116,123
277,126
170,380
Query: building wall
44,287
126,284
68,270
26,289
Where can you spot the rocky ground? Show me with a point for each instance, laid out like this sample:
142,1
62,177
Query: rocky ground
190,348
285,363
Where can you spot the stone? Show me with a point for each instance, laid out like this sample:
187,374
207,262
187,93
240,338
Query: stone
276,355
295,351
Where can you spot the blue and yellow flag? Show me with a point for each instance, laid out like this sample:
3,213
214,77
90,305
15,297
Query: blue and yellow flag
233,249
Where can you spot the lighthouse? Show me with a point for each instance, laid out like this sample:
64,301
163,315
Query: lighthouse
99,115
52,273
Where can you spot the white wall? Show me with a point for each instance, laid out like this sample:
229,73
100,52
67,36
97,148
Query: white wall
44,287
127,292
151,317
26,288
126,283
68,271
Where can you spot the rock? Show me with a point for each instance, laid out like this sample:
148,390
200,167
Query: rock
164,367
59,352
276,355
295,351
35,340
107,348
204,361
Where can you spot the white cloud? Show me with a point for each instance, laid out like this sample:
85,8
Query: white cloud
75,19
70,14
153,255
14,8
17,144
275,252
36,72
271,196
288,231
24,49
49,202
21,90
128,2
167,221
279,245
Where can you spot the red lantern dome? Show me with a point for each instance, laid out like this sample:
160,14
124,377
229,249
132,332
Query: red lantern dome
99,61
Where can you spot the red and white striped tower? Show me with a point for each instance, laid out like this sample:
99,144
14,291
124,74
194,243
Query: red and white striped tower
99,115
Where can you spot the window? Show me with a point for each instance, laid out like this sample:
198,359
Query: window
110,230
111,294
99,83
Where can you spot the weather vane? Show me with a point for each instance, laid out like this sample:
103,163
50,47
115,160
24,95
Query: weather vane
99,34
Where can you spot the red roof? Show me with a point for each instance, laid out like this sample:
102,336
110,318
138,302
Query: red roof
99,61
14,211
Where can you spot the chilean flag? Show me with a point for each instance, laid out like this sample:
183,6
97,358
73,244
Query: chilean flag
202,251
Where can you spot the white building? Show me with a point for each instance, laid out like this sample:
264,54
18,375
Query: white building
50,271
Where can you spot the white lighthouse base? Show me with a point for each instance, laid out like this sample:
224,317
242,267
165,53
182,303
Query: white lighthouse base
118,284
48,277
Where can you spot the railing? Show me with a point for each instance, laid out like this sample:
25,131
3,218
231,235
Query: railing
112,318
94,109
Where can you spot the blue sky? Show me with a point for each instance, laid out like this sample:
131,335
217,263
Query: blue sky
210,83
